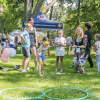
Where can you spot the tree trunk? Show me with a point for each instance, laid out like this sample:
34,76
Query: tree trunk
27,9
49,6
38,7
78,12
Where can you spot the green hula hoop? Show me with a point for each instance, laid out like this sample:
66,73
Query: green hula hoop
92,94
39,97
50,98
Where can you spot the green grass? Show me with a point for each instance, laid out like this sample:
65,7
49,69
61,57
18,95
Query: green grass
14,78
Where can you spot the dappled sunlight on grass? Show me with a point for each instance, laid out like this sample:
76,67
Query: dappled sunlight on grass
68,78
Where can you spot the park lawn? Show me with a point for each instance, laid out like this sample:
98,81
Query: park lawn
69,78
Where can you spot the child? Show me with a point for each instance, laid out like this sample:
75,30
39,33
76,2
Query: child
25,46
11,40
41,55
59,42
97,48
4,42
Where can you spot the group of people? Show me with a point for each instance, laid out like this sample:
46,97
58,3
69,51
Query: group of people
81,44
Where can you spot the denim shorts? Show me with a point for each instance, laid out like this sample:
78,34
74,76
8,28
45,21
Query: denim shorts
26,52
42,57
68,45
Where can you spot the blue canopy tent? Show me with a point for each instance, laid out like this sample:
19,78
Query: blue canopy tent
42,23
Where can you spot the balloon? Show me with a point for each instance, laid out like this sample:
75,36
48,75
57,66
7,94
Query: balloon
4,59
7,52
13,52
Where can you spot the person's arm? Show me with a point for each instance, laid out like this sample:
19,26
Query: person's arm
22,37
35,37
40,49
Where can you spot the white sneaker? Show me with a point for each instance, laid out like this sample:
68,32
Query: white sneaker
27,68
36,68
23,71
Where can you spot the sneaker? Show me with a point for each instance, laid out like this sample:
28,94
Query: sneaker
23,71
17,67
36,68
27,68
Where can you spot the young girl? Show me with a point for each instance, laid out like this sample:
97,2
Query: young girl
97,48
41,55
59,42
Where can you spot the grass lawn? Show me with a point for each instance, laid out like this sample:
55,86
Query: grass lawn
15,78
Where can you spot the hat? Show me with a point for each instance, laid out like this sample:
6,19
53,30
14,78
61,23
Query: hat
11,34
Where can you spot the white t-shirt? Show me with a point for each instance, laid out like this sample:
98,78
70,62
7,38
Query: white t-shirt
62,40
12,40
98,44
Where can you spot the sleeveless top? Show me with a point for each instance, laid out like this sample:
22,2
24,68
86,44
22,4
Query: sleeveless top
43,50
32,38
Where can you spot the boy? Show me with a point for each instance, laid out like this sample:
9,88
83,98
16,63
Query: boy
25,46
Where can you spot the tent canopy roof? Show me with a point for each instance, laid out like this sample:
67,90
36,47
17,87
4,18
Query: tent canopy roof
42,23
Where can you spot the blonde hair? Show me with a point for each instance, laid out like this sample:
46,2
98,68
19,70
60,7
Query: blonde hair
81,30
27,25
3,35
97,36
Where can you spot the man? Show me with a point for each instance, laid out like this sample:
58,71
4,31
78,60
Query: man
89,35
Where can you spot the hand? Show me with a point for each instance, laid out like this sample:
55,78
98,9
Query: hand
74,46
71,53
39,54
36,44
25,43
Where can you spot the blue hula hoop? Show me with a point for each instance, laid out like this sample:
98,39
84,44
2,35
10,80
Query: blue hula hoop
92,94
39,97
65,88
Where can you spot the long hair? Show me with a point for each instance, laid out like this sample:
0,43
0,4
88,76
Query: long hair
81,31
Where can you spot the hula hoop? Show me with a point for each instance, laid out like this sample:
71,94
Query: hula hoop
39,97
92,94
66,88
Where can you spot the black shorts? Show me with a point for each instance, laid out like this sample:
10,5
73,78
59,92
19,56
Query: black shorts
26,52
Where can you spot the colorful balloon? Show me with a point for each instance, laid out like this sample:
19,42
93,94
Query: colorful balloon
7,52
13,52
4,59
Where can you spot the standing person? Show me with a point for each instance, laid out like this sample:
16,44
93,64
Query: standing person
33,41
89,36
68,44
79,45
16,39
41,55
1,10
11,40
97,48
25,46
60,42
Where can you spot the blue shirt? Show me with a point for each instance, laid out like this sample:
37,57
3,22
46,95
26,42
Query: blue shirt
27,39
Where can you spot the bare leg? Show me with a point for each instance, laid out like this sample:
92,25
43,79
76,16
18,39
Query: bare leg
61,58
57,59
44,63
25,62
69,49
39,67
33,50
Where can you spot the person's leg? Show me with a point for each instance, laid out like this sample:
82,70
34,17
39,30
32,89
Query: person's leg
39,67
23,62
57,59
44,63
97,62
69,49
61,58
48,51
33,50
90,60
26,62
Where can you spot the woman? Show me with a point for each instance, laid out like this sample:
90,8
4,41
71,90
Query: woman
79,45
33,42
